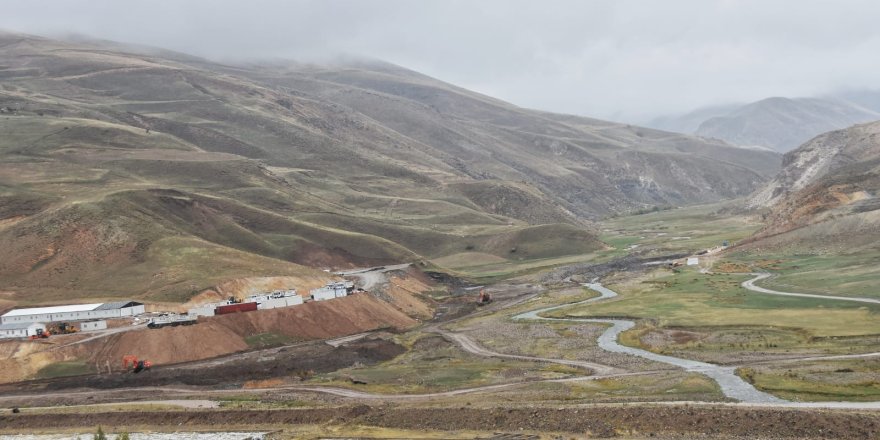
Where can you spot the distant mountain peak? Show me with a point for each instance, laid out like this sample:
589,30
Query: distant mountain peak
777,122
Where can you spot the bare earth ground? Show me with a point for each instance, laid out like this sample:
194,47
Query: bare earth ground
626,421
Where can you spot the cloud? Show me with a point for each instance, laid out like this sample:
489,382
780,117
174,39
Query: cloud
620,59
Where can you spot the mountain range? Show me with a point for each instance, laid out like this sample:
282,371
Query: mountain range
778,123
139,172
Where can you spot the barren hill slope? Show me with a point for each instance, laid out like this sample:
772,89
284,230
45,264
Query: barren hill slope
826,194
135,172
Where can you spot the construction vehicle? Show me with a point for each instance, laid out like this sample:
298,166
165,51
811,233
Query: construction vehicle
62,328
484,298
41,334
131,363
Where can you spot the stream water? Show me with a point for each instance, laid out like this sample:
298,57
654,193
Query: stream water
731,385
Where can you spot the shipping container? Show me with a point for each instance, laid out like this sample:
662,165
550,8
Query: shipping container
233,308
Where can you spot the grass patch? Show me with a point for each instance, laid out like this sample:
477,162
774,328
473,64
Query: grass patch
685,229
433,364
60,369
665,386
847,275
689,298
839,380
493,272
263,340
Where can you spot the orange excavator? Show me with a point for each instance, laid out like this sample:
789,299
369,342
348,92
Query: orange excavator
131,363
41,334
484,298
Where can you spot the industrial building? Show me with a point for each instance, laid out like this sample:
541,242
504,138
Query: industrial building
332,290
21,330
75,312
274,300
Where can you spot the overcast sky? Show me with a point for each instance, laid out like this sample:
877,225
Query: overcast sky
615,59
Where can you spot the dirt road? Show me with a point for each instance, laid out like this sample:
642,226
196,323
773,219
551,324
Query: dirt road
750,285
471,346
104,334
371,277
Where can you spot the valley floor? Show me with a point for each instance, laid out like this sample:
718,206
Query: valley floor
660,350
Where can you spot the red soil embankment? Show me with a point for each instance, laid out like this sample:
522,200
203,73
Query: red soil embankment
220,335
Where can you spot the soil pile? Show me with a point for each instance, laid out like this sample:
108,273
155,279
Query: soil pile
403,290
220,335
319,319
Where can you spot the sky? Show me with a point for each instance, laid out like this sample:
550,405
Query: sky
623,60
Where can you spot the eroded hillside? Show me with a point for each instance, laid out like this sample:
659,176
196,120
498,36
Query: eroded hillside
825,196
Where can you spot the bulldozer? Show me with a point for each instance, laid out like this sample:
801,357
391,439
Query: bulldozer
131,363
484,298
62,328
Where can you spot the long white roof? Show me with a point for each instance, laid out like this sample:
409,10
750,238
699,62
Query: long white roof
19,325
54,309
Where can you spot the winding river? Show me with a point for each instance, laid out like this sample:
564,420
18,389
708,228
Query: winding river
731,385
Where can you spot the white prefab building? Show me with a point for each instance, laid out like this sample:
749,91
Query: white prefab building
21,330
89,326
205,310
276,299
76,312
330,291
274,303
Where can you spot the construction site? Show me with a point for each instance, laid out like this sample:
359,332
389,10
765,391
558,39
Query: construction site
94,343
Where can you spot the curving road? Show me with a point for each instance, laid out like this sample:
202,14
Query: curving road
750,285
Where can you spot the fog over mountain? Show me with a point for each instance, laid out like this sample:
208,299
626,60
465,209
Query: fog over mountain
622,60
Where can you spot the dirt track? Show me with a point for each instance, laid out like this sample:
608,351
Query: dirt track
750,285
470,346
596,421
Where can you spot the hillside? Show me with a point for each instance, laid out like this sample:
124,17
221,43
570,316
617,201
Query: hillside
825,196
136,172
587,167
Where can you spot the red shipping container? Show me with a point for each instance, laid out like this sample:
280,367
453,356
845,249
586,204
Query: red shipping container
233,308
